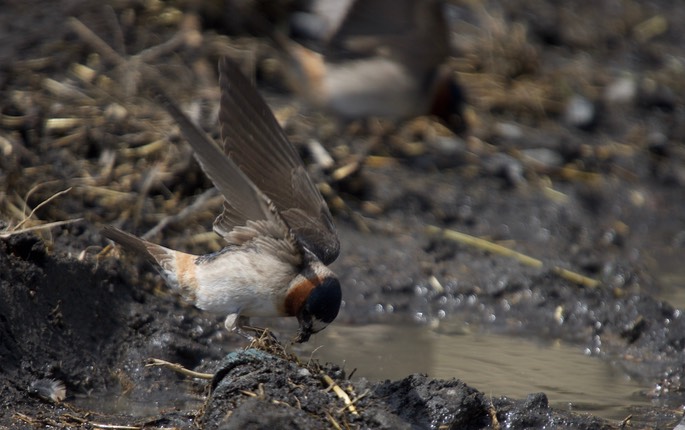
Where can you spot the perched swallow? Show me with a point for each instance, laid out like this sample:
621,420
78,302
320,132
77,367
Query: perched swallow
380,58
279,231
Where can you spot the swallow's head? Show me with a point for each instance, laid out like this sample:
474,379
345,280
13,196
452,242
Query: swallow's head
315,301
320,308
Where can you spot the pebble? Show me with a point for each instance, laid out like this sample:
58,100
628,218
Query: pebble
580,112
505,165
621,91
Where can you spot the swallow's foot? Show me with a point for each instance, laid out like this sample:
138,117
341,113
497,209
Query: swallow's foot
240,324
237,324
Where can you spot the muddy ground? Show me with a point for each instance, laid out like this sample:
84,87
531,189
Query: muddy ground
574,157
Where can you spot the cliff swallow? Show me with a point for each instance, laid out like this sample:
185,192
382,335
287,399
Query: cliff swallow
381,58
279,231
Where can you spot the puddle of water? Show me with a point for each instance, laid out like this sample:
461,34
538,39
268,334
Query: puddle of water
495,364
173,395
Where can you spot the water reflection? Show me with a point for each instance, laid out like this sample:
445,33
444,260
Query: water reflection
495,364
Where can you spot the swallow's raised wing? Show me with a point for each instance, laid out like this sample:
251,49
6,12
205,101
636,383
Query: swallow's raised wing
251,213
254,140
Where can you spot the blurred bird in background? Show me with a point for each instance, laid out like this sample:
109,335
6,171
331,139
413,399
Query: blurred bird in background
375,58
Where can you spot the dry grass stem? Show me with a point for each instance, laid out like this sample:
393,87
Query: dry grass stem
156,362
488,246
208,198
333,421
45,226
340,393
44,202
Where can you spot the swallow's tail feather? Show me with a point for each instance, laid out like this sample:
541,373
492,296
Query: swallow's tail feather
177,267
158,254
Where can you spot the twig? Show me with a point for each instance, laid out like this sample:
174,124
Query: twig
486,245
346,170
113,426
116,30
493,417
575,277
156,362
199,202
184,36
320,155
333,421
358,398
311,356
39,227
149,179
340,393
43,203
260,394
44,422
95,41
178,39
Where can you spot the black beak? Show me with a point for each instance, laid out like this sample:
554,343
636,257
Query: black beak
305,331
302,337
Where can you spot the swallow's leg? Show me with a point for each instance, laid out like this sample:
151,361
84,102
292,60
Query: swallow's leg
238,323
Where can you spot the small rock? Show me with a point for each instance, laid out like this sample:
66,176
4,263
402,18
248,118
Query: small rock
506,166
580,112
621,91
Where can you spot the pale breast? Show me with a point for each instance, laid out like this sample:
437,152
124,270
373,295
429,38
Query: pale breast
248,282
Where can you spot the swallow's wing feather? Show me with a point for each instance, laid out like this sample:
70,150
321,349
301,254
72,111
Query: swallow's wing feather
222,171
312,225
254,140
249,212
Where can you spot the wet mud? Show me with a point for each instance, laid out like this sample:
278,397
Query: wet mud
574,158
